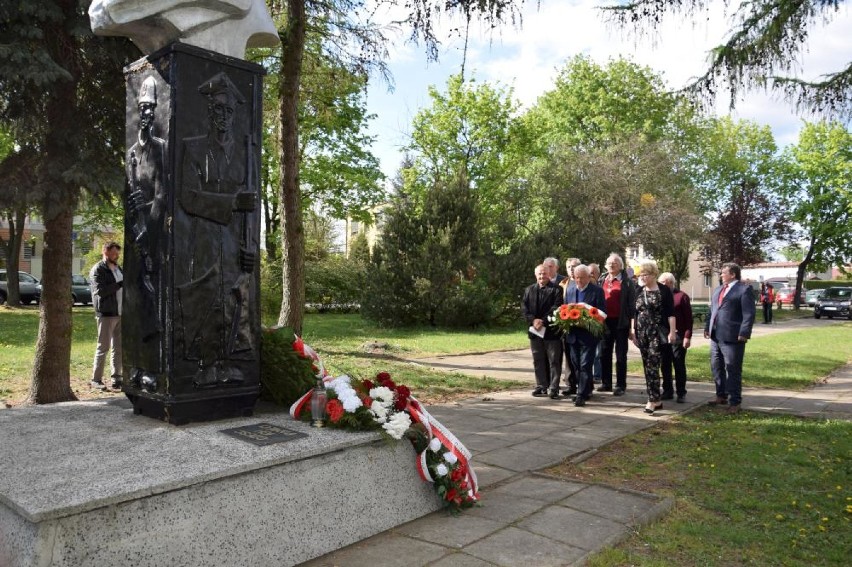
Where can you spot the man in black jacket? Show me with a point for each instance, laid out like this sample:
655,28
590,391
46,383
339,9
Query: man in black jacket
540,299
107,281
620,296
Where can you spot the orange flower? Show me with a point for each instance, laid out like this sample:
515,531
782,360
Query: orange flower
593,311
563,312
574,314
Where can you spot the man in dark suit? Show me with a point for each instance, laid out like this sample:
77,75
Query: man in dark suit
582,344
540,299
729,326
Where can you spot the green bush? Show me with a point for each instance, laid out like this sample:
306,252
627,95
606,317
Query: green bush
285,374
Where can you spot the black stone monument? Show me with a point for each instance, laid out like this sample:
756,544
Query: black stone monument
191,315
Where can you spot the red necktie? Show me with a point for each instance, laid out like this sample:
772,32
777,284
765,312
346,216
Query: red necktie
722,294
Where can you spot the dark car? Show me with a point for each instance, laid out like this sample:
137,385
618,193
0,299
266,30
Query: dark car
834,302
80,290
27,285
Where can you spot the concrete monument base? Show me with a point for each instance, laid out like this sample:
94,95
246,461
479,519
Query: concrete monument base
89,483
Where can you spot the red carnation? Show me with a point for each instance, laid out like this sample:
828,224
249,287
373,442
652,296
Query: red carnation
382,376
368,401
457,475
403,392
335,410
368,385
453,496
400,404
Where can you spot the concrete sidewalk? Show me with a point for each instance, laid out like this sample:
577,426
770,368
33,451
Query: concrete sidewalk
527,518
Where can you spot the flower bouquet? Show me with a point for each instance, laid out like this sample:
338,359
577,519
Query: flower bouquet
383,405
572,316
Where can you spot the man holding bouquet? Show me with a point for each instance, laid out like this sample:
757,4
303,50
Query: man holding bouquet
540,300
584,318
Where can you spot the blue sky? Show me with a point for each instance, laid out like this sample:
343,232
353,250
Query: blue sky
528,57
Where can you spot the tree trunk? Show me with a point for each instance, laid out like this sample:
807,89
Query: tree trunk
801,271
51,378
13,256
293,232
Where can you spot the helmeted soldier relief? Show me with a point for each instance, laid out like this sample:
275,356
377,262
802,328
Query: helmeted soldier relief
146,168
213,289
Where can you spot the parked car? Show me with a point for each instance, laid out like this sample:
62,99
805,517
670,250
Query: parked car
80,290
812,295
28,286
786,294
835,301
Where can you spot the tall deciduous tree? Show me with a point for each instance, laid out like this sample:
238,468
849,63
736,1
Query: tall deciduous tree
62,90
820,192
345,36
760,49
738,179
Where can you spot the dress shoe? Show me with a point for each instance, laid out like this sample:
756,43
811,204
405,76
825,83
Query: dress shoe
667,396
538,392
733,409
554,394
569,392
97,385
618,392
681,399
604,389
718,401
579,402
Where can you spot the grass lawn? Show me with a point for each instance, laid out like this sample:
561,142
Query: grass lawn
791,360
346,343
751,489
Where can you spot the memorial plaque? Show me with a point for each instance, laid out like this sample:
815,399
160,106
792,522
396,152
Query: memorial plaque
263,434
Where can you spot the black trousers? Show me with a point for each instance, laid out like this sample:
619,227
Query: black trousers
674,355
767,313
615,339
547,362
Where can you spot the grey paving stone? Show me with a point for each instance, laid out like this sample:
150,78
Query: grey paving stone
460,560
384,550
514,547
529,455
488,475
623,507
448,530
505,507
488,441
573,527
541,488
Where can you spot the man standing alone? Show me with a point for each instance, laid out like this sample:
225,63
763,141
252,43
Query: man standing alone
729,326
107,281
540,299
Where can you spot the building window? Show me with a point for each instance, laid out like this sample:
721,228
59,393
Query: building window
29,249
708,280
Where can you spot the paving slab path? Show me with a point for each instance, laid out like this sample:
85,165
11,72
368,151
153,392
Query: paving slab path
528,519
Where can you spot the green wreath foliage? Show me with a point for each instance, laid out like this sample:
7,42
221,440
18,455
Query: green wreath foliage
284,373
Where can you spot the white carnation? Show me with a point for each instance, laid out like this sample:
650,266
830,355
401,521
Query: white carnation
450,458
351,403
397,425
435,445
380,412
442,470
383,394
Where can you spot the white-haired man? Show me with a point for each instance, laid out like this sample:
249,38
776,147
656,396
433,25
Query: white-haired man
620,295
